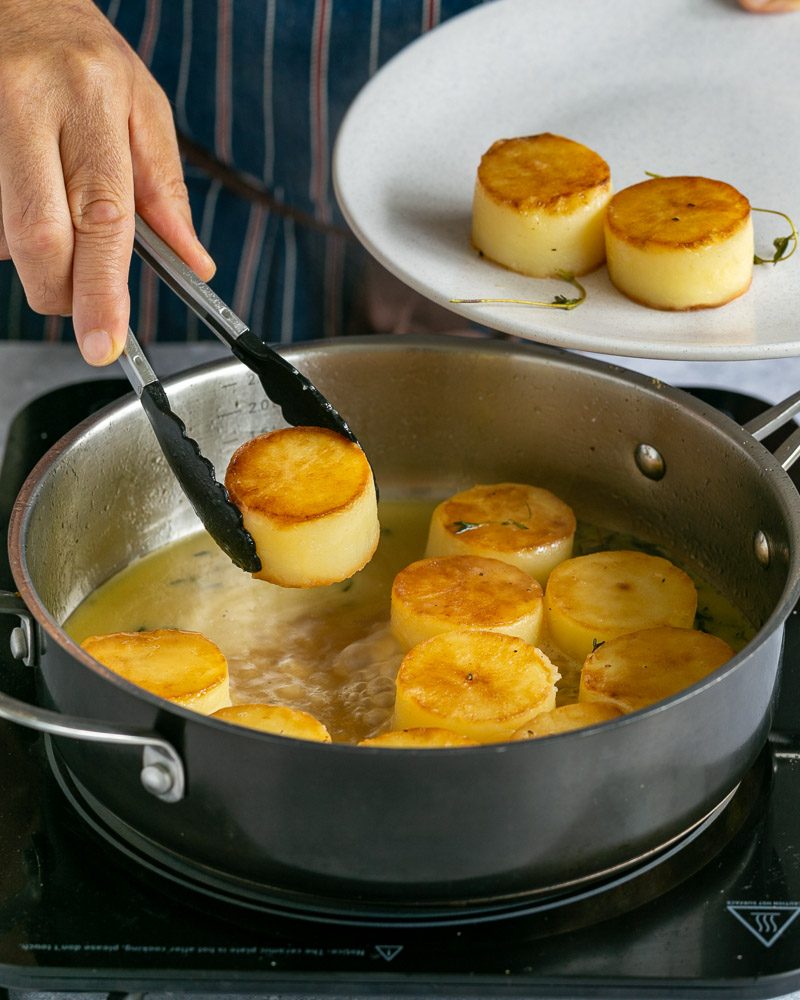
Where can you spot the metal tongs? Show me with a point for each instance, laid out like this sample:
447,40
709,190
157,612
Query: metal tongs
301,403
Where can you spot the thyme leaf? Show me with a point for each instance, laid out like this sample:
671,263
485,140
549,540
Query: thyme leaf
703,618
781,243
462,526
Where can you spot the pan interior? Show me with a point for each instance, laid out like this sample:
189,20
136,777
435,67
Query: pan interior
434,416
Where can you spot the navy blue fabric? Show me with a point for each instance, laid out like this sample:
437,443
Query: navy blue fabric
217,61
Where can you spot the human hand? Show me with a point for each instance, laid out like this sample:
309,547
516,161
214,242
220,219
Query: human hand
86,139
770,6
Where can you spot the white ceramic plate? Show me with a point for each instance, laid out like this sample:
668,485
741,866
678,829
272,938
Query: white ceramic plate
668,86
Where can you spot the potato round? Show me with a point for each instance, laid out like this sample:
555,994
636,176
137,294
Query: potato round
278,719
184,667
596,597
526,526
680,242
307,497
418,739
538,205
565,718
464,592
483,685
642,668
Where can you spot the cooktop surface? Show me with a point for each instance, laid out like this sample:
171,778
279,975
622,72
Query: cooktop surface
715,914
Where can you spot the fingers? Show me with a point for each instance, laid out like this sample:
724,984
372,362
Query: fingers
98,180
770,6
85,136
161,197
36,225
5,254
66,192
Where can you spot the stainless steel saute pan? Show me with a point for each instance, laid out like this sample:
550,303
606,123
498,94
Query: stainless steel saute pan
384,828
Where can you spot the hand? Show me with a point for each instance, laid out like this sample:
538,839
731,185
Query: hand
86,138
770,6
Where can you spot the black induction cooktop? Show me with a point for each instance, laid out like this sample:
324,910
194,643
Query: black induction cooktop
715,914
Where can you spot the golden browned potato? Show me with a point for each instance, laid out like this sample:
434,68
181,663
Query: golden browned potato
680,242
184,667
565,718
464,592
418,739
483,685
538,205
526,526
307,497
278,719
641,668
597,597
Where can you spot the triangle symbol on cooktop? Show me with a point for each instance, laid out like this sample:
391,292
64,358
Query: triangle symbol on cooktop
765,921
388,951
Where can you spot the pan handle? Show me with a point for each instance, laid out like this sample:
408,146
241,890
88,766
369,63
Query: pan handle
771,420
162,771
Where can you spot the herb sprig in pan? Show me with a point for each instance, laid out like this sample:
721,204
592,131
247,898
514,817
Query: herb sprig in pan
462,526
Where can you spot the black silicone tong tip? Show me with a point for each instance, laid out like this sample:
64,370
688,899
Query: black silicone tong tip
300,401
209,498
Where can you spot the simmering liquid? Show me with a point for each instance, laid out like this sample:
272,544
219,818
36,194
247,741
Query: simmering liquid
328,650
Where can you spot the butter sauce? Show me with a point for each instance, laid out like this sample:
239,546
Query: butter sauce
328,650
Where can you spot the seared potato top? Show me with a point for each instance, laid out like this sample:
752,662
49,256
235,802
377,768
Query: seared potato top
467,591
677,212
541,172
641,668
297,474
184,667
507,517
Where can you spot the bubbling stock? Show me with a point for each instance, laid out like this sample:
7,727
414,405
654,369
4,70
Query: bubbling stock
328,650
